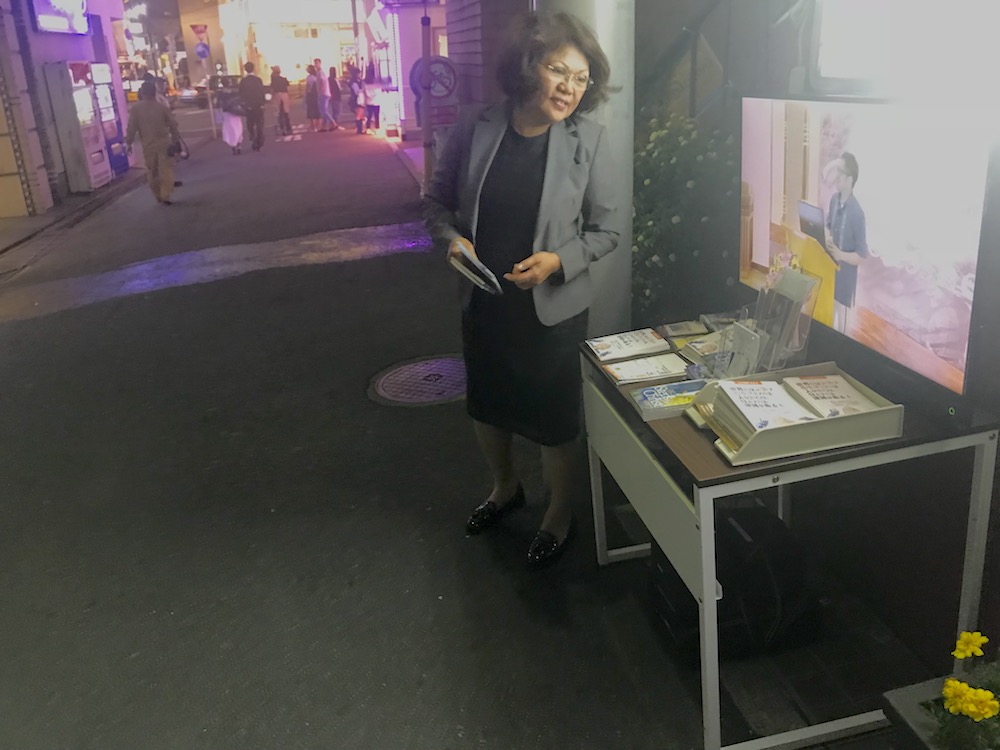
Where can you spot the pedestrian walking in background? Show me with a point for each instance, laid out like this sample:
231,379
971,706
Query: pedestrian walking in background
357,102
161,88
336,97
373,97
156,128
231,106
323,84
279,89
312,99
253,97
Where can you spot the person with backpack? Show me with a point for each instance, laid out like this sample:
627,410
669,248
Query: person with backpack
154,125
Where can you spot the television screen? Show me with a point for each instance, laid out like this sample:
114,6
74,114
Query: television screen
883,204
63,16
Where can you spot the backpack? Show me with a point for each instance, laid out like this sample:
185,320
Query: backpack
233,105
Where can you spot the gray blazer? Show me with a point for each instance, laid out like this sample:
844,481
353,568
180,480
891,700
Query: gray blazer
575,216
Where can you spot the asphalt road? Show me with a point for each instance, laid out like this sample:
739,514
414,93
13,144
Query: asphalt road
315,183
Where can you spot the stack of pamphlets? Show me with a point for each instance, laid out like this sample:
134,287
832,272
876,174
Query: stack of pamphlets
640,343
696,349
682,328
742,408
709,350
666,400
828,395
661,367
717,321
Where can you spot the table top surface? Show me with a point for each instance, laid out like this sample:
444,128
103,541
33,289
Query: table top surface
678,440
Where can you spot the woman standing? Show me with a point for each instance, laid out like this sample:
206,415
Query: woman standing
232,119
527,182
312,99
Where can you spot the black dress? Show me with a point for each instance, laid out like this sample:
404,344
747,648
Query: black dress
312,100
522,376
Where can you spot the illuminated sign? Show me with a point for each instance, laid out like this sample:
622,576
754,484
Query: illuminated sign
61,16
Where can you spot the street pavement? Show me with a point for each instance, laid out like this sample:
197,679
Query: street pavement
214,537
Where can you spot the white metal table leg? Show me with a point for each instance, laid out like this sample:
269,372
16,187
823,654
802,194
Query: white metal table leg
711,699
976,535
784,497
597,500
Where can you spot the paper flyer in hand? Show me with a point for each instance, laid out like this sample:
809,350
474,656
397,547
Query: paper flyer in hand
473,269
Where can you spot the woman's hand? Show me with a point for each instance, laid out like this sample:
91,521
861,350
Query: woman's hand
534,270
456,245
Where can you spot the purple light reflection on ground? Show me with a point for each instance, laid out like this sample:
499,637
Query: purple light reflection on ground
212,264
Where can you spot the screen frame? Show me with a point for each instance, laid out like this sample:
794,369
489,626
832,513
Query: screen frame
37,15
886,376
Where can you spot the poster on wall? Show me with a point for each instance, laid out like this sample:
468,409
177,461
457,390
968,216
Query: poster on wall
61,16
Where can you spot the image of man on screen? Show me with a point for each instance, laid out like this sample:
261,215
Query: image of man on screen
846,242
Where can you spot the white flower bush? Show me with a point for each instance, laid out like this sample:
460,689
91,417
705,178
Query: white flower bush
686,209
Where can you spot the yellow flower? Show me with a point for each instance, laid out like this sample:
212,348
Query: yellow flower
969,644
954,693
979,704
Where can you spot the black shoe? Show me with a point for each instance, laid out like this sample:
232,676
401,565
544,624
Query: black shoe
545,549
488,514
177,183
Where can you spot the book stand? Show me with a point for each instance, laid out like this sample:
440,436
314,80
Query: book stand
672,476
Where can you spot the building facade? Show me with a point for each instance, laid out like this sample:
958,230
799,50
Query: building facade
52,62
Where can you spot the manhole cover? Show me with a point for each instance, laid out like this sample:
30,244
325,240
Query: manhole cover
420,383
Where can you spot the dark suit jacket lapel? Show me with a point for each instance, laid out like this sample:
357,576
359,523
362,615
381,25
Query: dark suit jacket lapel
563,142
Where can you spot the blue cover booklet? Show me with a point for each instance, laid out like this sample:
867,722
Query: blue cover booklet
666,400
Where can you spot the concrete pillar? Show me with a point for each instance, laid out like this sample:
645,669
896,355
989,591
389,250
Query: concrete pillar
614,23
24,183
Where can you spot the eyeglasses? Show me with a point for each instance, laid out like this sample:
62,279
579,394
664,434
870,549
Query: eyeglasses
557,73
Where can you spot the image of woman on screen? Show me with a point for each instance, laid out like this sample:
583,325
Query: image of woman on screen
847,242
525,186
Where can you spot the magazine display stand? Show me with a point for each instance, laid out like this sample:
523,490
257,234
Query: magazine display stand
776,334
782,317
823,434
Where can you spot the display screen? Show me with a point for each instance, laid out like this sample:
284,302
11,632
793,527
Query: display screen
884,205
63,16
100,72
84,106
105,99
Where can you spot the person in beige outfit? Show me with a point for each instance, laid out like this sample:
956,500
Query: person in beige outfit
157,130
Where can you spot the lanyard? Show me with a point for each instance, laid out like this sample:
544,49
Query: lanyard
839,222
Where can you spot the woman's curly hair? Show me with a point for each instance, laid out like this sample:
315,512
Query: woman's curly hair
537,35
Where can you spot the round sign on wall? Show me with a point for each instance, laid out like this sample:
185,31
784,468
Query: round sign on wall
444,77
201,49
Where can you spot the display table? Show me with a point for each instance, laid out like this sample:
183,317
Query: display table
672,475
